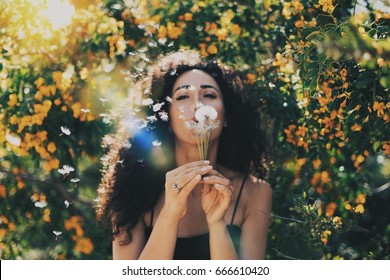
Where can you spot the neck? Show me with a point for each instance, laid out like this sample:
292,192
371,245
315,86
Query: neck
186,153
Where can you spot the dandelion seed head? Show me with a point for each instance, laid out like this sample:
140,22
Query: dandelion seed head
204,113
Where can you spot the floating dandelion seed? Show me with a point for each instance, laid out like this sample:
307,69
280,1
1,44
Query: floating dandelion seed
162,41
121,162
57,233
103,99
75,181
65,130
157,106
13,139
163,116
65,170
170,44
152,44
147,102
40,204
152,119
156,143
66,203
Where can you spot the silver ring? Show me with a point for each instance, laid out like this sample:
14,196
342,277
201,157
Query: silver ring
176,186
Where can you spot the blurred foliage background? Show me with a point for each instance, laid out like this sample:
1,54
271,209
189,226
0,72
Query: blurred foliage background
318,71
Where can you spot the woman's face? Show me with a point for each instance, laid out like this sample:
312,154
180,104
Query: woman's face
191,90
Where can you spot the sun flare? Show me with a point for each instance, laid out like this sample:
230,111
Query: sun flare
59,13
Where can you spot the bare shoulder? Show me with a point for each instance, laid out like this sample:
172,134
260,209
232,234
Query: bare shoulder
258,194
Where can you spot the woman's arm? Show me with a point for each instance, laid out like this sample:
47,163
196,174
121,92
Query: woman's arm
221,244
254,230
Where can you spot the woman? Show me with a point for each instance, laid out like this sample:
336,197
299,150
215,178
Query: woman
166,203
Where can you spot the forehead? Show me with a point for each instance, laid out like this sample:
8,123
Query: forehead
195,77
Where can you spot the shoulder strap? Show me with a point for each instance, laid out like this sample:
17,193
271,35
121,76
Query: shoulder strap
238,199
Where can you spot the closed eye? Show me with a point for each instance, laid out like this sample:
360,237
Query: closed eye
210,95
181,97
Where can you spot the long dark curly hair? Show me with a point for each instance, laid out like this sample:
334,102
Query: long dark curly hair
135,167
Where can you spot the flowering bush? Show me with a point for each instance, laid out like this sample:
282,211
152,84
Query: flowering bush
318,71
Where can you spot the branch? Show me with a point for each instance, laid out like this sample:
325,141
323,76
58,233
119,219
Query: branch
57,186
283,255
288,219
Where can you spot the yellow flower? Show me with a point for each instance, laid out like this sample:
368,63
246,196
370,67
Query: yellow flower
203,51
187,16
222,34
162,32
316,163
330,209
84,245
13,100
386,148
379,108
359,209
39,82
337,221
327,6
212,49
235,29
51,147
3,191
173,31
251,78
356,127
360,199
324,236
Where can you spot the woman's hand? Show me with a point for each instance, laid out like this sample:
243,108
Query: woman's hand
216,196
179,183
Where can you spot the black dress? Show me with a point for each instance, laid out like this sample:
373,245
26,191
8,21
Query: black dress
198,247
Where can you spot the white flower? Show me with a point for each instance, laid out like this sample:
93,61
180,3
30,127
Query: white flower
205,113
85,110
65,130
40,204
157,106
66,203
169,99
66,169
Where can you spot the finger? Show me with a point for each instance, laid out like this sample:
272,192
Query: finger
178,176
190,186
226,192
184,180
213,179
183,167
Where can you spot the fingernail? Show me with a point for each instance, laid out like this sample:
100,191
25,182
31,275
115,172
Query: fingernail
206,161
206,178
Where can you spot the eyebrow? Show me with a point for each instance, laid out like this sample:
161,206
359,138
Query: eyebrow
201,86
